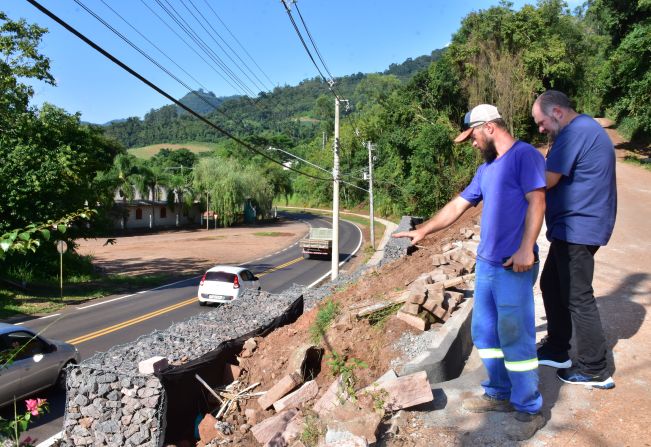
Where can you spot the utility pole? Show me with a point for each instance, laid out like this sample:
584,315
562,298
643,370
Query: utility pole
207,210
323,141
335,198
370,191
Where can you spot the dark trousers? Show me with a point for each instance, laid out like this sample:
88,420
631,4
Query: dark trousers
566,284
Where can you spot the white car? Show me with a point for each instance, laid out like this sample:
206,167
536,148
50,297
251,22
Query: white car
224,283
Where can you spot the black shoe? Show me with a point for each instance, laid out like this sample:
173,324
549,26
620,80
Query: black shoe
547,356
524,425
573,376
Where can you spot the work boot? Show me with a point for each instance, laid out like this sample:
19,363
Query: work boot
484,403
524,425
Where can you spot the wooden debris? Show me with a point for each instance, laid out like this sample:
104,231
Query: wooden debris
280,389
453,281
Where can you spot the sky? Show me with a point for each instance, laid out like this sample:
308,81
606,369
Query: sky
352,36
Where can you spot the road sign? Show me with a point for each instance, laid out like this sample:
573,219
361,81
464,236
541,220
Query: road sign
62,247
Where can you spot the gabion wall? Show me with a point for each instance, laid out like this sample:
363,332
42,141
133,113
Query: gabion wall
109,403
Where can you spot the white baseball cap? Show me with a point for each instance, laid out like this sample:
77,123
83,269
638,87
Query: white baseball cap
481,114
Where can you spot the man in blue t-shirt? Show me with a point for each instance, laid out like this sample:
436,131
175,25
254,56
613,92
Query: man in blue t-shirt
580,216
511,183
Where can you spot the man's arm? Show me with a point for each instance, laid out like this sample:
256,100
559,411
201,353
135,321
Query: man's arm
552,178
523,259
443,219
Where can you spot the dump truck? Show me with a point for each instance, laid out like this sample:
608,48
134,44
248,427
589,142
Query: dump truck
317,243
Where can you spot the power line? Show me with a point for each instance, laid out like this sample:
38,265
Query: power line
259,82
139,50
238,42
177,18
217,43
330,82
124,38
190,46
150,84
318,53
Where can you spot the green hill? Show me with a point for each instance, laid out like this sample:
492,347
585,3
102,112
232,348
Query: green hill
293,111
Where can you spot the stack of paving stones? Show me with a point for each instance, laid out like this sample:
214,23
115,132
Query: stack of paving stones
109,403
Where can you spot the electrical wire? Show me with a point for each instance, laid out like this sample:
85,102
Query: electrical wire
124,38
238,42
190,46
219,45
309,53
150,84
184,25
259,84
139,50
309,35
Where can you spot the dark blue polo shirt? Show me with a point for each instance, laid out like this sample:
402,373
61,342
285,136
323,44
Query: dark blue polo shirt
502,184
581,208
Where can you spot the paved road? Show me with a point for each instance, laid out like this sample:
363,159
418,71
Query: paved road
101,324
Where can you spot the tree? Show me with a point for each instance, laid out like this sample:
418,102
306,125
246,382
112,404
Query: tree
230,185
49,159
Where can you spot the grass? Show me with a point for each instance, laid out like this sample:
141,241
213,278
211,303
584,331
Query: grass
147,152
326,314
636,161
45,297
269,233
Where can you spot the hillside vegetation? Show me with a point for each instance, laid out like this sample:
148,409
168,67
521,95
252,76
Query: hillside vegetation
599,54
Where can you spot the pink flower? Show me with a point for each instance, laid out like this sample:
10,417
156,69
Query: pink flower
32,406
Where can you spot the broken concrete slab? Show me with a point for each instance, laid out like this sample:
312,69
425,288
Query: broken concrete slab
280,389
308,391
403,392
273,426
348,419
412,320
152,365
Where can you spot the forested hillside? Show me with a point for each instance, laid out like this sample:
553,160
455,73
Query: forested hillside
294,111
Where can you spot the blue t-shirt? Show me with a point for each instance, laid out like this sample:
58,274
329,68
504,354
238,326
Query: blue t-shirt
502,184
581,208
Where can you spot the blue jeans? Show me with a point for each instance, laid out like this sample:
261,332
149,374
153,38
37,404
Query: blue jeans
504,332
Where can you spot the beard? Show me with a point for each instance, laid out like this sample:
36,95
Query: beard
553,132
489,152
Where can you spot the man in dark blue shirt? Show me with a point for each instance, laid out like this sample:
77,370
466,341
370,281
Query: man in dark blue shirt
580,216
511,184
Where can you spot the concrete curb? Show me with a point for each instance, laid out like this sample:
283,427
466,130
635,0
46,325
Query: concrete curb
446,357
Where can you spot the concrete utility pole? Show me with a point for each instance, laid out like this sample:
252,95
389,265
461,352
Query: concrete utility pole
370,191
335,198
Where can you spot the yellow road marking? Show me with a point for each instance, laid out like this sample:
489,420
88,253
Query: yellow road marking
131,322
281,266
117,327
